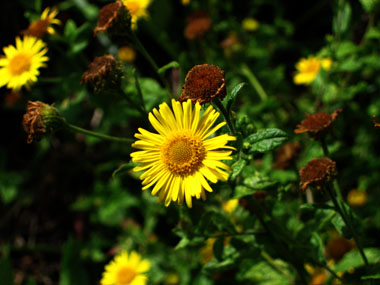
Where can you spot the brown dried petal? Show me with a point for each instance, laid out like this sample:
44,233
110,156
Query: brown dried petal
316,172
316,123
197,25
32,121
203,83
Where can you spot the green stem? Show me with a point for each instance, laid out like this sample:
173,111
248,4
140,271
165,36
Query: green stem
141,48
226,116
254,82
138,88
339,205
324,147
99,135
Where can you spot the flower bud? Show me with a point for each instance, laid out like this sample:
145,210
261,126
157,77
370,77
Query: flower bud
41,119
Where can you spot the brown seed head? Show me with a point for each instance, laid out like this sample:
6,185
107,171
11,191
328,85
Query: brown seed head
377,125
286,154
37,28
203,83
114,18
316,124
197,25
316,172
103,73
41,119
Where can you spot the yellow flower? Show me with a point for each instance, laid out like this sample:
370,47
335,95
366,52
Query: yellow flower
185,2
356,198
230,205
182,155
308,69
127,54
250,24
43,25
137,9
20,65
126,269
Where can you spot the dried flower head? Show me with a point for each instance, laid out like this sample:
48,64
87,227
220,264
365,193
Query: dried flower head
43,25
231,44
337,247
41,119
114,18
197,25
103,73
316,172
316,124
286,154
203,83
377,125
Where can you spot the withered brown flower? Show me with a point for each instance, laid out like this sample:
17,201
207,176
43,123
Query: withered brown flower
41,119
286,154
337,247
316,172
198,24
103,73
114,18
316,124
377,125
203,83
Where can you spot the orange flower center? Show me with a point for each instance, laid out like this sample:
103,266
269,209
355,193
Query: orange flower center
125,275
183,155
133,7
19,64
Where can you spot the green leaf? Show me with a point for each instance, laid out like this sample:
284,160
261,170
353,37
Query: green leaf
172,64
242,191
72,269
6,275
370,5
232,96
353,259
374,276
266,140
237,167
123,169
342,20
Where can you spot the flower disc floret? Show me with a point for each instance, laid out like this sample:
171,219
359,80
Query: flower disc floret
179,160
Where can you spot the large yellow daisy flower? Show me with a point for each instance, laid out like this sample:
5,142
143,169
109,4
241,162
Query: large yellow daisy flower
137,9
20,65
308,69
126,269
183,154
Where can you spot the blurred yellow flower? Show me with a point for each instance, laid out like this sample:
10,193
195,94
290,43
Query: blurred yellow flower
20,65
230,205
185,2
137,9
356,198
250,24
179,159
43,25
126,269
308,69
172,278
207,252
127,54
